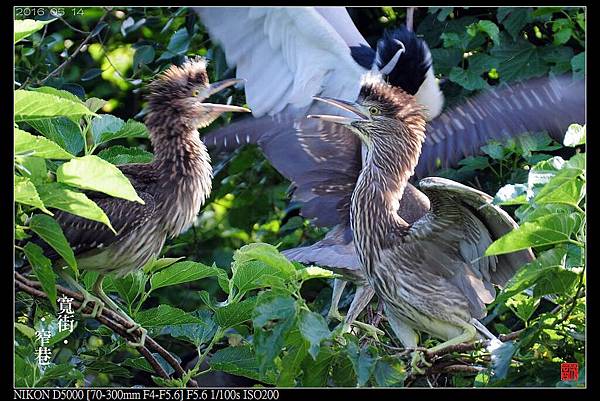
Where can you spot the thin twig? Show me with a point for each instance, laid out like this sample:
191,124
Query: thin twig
117,328
76,52
117,319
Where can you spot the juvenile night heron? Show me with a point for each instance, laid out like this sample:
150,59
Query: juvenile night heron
288,55
431,274
173,186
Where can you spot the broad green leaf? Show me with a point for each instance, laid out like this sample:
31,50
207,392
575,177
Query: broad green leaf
184,272
30,105
58,92
130,129
518,59
104,125
178,44
61,130
42,267
511,194
316,373
130,286
253,273
265,253
556,282
389,372
143,55
445,59
235,313
565,187
514,19
155,265
27,331
314,329
363,361
33,168
273,318
196,333
26,27
102,366
487,27
165,315
93,173
315,272
296,352
64,371
51,232
95,104
26,193
495,150
523,306
578,65
38,146
575,135
467,79
240,361
60,196
547,230
122,155
501,358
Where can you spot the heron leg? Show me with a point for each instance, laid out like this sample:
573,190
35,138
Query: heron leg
87,297
338,289
116,308
469,334
362,297
410,339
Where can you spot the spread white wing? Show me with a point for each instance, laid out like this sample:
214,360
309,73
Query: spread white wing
287,55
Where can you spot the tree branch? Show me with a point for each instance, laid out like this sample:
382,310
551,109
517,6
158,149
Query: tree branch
112,320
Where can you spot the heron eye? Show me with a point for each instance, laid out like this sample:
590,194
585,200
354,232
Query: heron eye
374,110
195,92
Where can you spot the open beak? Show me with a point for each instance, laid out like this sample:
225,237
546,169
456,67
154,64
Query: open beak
354,108
223,108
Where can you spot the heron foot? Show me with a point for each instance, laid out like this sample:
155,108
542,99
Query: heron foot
369,329
334,314
142,340
418,357
96,309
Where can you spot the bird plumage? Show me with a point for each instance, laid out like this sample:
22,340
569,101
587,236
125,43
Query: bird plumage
173,186
431,273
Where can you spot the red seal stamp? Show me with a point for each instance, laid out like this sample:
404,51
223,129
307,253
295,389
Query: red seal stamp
569,372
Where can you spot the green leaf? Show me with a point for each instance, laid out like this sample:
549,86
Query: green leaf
33,168
91,74
26,27
495,150
467,79
122,155
314,329
511,194
363,362
178,44
239,361
501,358
27,331
196,333
95,104
575,135
58,92
254,274
63,371
518,59
184,272
42,267
315,272
31,105
445,59
316,373
26,193
38,146
517,18
165,315
523,306
51,232
389,372
547,230
265,253
143,55
130,286
93,173
109,368
487,27
556,282
273,318
578,65
296,351
107,127
60,196
61,130
565,187
155,265
235,313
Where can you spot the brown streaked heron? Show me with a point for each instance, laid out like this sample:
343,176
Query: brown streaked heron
431,274
289,55
173,186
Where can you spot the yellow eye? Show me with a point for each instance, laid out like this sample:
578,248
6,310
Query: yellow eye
374,110
195,92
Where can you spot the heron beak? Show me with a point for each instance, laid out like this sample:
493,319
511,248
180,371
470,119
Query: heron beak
224,108
226,83
354,108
